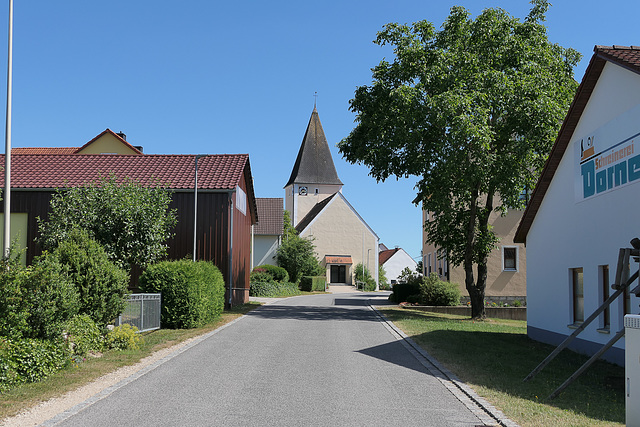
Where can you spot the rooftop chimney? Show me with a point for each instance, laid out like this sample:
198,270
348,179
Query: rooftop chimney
122,135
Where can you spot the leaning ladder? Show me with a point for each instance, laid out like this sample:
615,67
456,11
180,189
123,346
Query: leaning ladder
622,282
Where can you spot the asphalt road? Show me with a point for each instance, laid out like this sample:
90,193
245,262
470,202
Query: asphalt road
322,360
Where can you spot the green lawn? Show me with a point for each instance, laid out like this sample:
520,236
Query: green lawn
495,355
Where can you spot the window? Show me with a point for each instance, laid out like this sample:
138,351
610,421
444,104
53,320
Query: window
509,258
577,295
429,265
605,317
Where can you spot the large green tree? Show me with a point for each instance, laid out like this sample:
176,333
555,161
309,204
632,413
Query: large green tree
132,222
472,109
297,255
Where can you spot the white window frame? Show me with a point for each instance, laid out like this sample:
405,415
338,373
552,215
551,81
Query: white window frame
517,260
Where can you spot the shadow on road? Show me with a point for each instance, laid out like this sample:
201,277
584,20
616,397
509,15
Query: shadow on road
301,312
394,352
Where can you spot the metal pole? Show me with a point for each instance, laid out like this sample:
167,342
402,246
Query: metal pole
7,157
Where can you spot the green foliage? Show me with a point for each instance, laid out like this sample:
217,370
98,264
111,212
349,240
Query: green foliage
130,221
288,229
83,335
383,282
363,275
271,289
123,337
409,276
49,296
14,312
101,285
278,274
258,275
402,292
313,283
472,109
28,360
434,291
192,292
297,256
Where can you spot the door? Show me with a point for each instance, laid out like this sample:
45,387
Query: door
338,274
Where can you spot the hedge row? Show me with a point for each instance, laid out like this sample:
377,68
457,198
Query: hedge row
271,289
313,283
192,292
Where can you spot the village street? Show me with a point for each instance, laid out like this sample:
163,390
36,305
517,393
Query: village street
319,360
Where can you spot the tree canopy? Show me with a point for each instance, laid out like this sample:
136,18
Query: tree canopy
472,109
130,221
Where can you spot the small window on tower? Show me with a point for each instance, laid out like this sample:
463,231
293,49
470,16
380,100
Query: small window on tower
317,191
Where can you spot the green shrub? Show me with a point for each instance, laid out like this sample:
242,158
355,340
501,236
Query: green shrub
123,337
401,291
273,289
192,292
28,360
434,291
313,283
278,274
50,296
383,282
83,335
14,313
517,303
260,276
101,285
363,275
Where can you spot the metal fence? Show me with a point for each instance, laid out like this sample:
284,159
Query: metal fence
142,311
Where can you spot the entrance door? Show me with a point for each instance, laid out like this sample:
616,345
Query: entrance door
338,274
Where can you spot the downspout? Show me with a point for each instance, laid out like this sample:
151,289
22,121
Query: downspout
252,246
231,212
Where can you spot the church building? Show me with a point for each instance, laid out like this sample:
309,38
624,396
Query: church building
319,210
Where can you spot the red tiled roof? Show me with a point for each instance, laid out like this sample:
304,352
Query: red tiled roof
624,56
215,172
270,216
44,150
385,255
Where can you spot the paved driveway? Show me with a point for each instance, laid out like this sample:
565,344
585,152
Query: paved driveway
322,360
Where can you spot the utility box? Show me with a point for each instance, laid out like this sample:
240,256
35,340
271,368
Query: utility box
632,368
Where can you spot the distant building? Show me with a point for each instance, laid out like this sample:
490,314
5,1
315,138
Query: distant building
267,233
318,209
394,261
506,265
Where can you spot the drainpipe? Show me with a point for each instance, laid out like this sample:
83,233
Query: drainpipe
231,212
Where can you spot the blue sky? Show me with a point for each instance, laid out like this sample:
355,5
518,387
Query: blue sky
239,77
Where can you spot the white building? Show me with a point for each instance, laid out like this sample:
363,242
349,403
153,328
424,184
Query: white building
585,207
394,261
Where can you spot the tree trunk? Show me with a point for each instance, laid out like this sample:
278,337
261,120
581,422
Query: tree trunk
477,308
469,281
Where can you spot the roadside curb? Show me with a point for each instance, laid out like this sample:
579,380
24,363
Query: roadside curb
486,412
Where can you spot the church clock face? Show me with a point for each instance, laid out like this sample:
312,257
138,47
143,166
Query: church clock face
302,191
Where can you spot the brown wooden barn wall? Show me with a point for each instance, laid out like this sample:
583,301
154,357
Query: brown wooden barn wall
242,249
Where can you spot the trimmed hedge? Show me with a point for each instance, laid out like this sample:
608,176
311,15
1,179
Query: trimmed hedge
278,274
402,291
273,289
192,292
313,283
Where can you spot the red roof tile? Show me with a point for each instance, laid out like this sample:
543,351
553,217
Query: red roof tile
385,255
625,56
215,172
44,150
270,216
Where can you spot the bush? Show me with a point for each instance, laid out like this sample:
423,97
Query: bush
273,289
83,335
14,312
278,274
297,256
313,283
434,291
123,337
402,291
363,275
29,360
260,276
192,292
102,286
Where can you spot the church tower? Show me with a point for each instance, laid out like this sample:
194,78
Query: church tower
314,177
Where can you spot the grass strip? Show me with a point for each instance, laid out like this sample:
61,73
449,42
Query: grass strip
19,399
493,356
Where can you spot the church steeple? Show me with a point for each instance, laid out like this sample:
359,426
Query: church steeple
314,164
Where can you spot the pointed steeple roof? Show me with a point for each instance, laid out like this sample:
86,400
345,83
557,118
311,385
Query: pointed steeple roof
314,164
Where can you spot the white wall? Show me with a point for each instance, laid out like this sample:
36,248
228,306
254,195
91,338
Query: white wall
567,233
398,262
264,249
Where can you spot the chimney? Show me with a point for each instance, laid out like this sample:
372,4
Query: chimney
122,135
138,147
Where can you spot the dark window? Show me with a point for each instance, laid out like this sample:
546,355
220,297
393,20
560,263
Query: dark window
509,258
578,295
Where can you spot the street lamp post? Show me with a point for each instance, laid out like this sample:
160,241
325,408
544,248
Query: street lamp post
7,156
